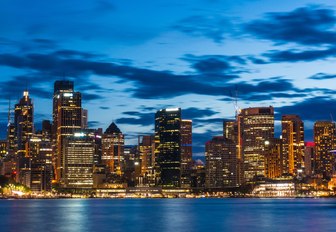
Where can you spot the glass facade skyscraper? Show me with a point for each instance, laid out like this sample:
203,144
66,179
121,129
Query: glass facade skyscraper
168,146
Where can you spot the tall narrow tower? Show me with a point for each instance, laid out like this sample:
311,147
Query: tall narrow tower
325,142
67,118
293,144
168,148
23,123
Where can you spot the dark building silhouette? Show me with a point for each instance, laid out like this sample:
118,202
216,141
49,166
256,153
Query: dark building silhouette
186,152
168,146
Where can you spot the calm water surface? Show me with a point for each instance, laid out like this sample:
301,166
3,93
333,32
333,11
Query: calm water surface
168,215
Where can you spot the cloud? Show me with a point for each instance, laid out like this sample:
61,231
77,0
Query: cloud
213,27
310,25
312,109
94,124
322,76
138,118
194,113
146,119
147,83
295,55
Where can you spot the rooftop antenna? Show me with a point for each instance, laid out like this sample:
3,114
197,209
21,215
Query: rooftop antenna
235,101
9,112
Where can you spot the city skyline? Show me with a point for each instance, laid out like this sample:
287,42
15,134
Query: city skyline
196,59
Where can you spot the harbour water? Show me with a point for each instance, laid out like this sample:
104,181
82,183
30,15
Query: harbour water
245,215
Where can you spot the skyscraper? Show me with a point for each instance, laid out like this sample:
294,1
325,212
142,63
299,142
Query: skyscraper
186,151
168,146
310,158
23,123
39,154
221,163
146,147
256,128
85,124
79,150
113,150
67,118
325,142
230,131
273,159
293,144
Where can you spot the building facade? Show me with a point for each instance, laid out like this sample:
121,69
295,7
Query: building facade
186,151
113,150
221,163
325,142
168,146
293,144
256,130
67,118
78,151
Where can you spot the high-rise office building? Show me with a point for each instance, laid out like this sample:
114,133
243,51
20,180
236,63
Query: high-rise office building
230,131
113,150
146,147
310,159
79,152
11,139
67,118
23,123
39,171
85,124
256,129
325,142
221,163
3,149
293,144
273,159
186,151
168,146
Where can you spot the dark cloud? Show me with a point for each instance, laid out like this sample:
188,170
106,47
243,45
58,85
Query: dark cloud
93,124
146,119
138,118
217,65
194,113
312,109
66,53
147,84
91,96
322,76
104,107
273,96
311,25
294,55
212,27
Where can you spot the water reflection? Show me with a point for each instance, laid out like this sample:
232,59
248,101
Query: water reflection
168,215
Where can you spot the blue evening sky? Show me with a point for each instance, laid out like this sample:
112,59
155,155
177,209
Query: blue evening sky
130,58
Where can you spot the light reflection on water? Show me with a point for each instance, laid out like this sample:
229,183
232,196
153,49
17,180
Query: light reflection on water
168,215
